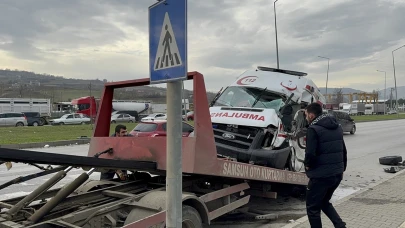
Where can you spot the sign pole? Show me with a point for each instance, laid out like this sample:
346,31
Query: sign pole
168,64
174,156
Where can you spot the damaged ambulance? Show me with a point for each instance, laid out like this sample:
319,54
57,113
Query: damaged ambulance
259,119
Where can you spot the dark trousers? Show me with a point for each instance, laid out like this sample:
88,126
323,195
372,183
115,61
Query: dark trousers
319,192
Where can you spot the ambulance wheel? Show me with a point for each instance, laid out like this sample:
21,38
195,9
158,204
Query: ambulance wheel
289,164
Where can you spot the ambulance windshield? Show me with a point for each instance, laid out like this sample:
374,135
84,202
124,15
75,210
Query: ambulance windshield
238,96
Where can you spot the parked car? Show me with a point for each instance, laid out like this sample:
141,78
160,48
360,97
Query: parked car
154,116
157,128
122,118
72,119
344,120
17,119
132,113
189,116
34,119
391,112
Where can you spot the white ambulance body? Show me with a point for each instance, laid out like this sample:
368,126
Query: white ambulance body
251,123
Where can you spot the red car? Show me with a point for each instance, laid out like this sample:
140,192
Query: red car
157,128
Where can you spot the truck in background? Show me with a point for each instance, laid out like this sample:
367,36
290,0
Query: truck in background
346,108
369,109
375,109
43,106
379,109
353,109
332,106
361,109
89,106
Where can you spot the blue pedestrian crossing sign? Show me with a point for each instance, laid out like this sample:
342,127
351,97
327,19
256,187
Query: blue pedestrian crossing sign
168,41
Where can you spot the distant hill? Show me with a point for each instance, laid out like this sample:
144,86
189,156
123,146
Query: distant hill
344,90
16,83
401,92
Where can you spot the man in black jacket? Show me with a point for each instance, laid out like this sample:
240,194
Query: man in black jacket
325,162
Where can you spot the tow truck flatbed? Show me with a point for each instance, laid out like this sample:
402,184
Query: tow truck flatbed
212,186
28,156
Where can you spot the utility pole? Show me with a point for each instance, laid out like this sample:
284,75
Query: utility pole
91,109
275,24
184,101
385,89
327,74
395,78
391,97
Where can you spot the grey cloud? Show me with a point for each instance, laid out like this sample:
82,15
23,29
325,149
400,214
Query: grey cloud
61,24
348,33
354,30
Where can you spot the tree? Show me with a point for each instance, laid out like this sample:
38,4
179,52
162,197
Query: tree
377,92
21,89
2,87
338,95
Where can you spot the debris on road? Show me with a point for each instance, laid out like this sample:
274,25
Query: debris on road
390,160
394,169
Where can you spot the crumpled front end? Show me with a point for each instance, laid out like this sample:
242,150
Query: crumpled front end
249,135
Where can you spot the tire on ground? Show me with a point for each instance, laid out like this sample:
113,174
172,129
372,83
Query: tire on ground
390,160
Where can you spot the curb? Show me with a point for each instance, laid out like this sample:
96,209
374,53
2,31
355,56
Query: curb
43,144
344,199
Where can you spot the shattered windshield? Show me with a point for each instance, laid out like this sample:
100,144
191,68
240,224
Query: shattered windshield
237,96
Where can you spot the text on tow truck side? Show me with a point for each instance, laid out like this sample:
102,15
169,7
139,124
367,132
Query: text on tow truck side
259,119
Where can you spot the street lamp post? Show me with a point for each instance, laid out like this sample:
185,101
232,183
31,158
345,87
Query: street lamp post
385,88
275,23
327,75
396,91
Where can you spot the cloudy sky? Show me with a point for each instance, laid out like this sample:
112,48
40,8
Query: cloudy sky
108,39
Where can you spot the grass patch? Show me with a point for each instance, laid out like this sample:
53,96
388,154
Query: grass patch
369,118
18,135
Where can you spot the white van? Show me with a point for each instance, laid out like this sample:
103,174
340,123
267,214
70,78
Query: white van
253,117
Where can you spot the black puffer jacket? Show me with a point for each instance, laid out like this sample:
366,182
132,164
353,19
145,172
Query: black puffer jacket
326,153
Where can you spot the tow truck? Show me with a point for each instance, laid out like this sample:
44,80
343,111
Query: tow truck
213,184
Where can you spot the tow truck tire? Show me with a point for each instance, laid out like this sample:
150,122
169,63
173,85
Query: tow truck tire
191,218
390,160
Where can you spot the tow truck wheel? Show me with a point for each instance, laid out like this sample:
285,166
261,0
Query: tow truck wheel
191,218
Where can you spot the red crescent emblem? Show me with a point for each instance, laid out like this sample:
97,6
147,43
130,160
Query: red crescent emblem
246,80
288,88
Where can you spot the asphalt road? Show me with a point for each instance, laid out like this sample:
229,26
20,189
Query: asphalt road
371,141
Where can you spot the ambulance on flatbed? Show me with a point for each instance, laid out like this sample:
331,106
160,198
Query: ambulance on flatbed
256,118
